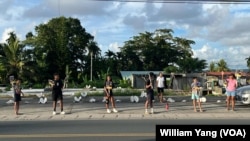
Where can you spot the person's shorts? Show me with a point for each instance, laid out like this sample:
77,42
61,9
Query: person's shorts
160,90
150,96
195,96
57,96
230,93
17,97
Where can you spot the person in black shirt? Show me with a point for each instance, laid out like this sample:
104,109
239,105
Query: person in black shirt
57,86
150,97
108,86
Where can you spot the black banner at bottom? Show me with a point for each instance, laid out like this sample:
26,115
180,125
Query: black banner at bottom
204,132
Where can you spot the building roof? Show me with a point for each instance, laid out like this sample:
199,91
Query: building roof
127,74
225,73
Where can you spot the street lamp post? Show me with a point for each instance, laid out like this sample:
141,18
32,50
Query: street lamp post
91,65
222,75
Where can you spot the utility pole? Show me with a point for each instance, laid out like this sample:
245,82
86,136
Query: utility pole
59,7
91,65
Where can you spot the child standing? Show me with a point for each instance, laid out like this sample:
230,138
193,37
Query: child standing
17,96
231,91
108,86
195,86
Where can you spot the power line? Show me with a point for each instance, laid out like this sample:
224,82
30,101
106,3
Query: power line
181,1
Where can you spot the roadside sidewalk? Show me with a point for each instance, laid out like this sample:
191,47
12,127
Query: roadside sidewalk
127,110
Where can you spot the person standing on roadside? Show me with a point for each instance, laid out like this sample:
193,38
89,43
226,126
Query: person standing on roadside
108,87
195,86
57,86
17,95
150,97
231,91
160,86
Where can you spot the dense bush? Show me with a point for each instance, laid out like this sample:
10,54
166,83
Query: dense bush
38,86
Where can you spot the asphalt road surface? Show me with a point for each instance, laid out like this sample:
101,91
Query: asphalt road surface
93,130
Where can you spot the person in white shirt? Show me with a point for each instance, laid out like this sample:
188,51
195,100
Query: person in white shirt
160,86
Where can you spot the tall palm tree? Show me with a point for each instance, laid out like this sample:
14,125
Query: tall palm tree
94,49
212,67
222,65
93,52
13,55
110,54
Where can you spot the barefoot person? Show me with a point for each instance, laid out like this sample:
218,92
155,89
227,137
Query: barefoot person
17,96
108,87
57,95
195,86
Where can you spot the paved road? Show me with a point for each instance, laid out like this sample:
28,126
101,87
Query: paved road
93,130
89,121
78,130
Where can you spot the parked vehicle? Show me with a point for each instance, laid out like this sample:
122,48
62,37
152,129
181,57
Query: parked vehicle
243,94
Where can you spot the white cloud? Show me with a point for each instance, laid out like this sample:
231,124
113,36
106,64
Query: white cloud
224,27
208,53
5,34
15,12
234,56
114,47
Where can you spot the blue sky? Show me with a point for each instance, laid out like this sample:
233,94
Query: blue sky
221,31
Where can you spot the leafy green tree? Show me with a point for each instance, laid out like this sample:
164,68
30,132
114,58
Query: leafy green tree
61,42
190,65
248,62
171,69
156,50
131,60
3,71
